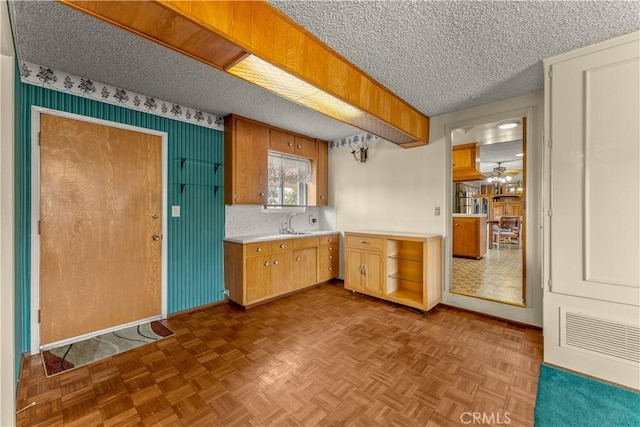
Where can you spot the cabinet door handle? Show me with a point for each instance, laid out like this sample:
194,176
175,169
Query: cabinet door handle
365,269
330,268
330,256
261,194
330,240
297,258
364,242
259,250
299,146
322,197
266,263
361,268
456,224
330,248
282,246
290,144
275,262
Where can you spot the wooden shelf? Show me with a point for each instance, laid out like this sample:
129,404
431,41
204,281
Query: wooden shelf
405,277
404,257
406,296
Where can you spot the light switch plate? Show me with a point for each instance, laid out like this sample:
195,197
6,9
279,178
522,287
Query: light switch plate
436,210
175,211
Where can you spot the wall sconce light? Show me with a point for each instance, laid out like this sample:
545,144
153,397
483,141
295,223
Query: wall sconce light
360,153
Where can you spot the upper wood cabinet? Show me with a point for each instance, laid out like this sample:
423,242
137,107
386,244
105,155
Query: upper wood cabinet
246,153
246,146
289,143
466,162
322,174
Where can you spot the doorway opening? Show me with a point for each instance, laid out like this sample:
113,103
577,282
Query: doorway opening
489,211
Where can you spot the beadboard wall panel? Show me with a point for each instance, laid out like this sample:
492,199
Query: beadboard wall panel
194,267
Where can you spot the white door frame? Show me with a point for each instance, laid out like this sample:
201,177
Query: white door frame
533,254
35,217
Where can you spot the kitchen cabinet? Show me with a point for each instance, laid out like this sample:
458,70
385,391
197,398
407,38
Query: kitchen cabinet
365,261
305,260
466,162
322,174
328,258
400,267
469,236
256,272
289,143
510,205
246,153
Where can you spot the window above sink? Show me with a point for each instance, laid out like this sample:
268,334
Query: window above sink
288,179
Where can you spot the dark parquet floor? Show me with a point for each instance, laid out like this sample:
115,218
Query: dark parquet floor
321,357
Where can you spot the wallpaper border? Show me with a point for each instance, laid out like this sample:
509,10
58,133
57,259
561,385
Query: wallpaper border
60,81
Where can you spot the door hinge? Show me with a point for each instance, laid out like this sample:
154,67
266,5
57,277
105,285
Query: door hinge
38,315
39,140
550,283
549,213
39,226
550,71
550,143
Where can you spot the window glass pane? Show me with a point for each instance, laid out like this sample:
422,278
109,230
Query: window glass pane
288,177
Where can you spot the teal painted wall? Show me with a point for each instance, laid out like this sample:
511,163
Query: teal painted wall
194,239
17,312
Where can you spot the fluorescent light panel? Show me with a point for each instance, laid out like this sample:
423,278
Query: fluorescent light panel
267,76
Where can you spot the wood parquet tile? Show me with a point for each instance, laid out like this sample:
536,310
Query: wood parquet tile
322,357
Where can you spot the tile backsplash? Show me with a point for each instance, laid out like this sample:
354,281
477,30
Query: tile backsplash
247,220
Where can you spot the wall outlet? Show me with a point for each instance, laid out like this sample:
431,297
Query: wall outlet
175,211
436,211
226,293
313,220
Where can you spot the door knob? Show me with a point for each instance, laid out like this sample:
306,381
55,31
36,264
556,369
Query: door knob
297,258
155,237
154,215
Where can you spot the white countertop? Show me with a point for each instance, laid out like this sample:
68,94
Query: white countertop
254,238
470,215
395,233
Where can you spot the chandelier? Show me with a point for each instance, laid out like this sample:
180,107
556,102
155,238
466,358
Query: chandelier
498,176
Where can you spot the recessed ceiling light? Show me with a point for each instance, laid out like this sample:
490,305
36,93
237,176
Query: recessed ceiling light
510,124
520,155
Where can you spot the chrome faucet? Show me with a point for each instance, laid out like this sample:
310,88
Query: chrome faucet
289,227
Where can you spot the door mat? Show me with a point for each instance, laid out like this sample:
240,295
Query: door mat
568,399
70,356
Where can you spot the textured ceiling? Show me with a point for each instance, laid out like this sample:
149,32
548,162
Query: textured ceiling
436,55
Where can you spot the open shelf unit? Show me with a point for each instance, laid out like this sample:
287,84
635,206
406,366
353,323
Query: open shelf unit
411,266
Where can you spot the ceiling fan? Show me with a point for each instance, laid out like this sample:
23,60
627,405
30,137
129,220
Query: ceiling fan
500,174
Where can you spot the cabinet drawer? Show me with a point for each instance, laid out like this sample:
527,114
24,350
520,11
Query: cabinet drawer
365,242
257,249
306,242
328,258
333,248
330,238
281,245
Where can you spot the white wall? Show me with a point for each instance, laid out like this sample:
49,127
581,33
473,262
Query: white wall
7,297
397,190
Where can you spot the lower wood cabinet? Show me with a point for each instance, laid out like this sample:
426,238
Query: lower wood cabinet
469,237
256,272
403,268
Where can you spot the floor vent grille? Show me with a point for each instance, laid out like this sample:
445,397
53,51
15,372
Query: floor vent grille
601,336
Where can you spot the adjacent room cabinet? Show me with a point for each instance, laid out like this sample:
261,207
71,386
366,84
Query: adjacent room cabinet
505,205
466,162
246,147
398,267
259,271
469,236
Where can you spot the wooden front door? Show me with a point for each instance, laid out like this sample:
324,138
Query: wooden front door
100,227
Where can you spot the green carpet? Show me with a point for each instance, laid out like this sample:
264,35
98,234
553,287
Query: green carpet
567,399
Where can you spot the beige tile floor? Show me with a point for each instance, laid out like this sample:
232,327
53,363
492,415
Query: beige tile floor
497,276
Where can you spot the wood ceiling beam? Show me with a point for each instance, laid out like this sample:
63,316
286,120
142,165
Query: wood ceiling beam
221,33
